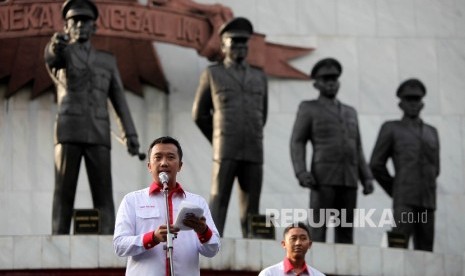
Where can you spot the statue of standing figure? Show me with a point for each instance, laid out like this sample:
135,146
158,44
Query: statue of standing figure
85,80
413,147
230,108
337,162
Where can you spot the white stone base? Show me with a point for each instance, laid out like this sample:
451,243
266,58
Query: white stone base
90,251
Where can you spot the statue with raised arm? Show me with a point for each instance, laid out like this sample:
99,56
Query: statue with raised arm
85,79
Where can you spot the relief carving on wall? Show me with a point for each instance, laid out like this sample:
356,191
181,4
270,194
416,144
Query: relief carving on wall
128,30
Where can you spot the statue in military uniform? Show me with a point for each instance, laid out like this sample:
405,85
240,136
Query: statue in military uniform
413,147
338,161
85,80
230,108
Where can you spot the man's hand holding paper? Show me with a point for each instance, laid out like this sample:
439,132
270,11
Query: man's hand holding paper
197,224
190,217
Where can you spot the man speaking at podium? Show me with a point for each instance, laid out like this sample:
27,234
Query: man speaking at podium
141,220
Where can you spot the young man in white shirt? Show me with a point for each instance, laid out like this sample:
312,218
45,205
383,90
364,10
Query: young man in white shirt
296,242
141,228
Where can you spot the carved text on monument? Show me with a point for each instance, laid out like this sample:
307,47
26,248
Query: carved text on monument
18,17
136,21
123,24
115,20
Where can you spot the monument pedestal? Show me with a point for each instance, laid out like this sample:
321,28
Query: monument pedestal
67,252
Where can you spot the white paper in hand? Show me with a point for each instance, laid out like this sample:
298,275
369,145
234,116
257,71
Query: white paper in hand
184,209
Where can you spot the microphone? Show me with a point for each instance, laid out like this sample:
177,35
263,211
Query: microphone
163,176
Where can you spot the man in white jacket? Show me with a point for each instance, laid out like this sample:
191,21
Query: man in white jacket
141,226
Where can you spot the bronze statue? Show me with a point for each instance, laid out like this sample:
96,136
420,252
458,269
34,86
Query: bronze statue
337,160
413,147
85,79
230,108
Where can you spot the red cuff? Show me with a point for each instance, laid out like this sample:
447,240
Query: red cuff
205,236
148,241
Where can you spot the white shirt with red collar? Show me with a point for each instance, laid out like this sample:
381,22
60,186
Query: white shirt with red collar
286,268
143,211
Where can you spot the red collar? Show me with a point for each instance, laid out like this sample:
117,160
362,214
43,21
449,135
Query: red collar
157,187
289,267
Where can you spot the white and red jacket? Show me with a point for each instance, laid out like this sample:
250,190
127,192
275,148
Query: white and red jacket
143,211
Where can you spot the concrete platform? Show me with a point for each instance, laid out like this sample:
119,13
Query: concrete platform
91,251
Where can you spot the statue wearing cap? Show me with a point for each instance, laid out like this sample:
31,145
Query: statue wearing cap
85,80
413,147
230,108
338,162
73,8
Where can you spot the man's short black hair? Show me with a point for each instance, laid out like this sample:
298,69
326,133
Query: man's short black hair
166,140
297,225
